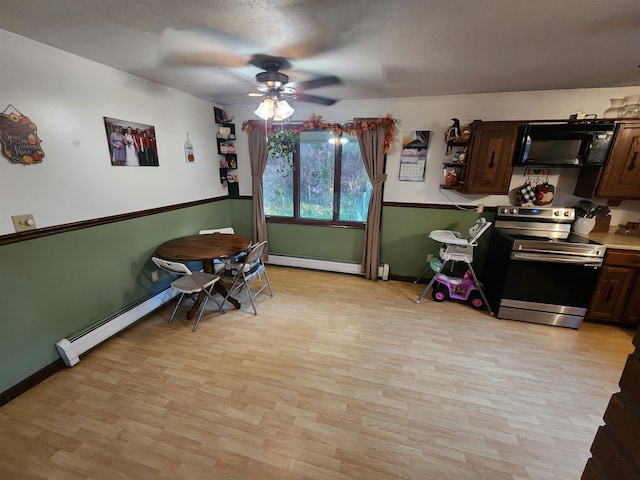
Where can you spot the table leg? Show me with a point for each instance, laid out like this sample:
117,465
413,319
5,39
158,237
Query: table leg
217,287
222,290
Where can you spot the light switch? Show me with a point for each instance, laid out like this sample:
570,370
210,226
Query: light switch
23,222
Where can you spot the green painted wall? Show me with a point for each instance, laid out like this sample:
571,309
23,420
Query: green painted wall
326,243
405,240
240,212
57,285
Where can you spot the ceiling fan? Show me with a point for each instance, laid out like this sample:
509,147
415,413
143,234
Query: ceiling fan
211,49
273,83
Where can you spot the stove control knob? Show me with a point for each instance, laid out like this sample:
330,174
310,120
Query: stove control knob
567,213
556,213
504,210
513,211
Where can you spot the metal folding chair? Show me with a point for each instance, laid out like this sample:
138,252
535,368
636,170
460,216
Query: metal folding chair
188,283
218,263
247,269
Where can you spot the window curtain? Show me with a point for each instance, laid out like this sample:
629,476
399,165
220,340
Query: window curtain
258,159
372,146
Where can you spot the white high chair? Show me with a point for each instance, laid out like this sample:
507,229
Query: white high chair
456,248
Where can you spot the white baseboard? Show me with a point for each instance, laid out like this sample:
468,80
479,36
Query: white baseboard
71,348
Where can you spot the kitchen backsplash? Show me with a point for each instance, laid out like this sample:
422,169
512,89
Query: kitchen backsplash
563,181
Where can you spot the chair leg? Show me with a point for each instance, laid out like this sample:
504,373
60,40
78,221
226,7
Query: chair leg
253,295
426,289
209,295
430,284
422,275
176,308
204,304
246,284
268,282
234,286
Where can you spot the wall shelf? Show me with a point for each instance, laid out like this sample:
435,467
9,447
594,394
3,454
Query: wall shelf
226,138
458,143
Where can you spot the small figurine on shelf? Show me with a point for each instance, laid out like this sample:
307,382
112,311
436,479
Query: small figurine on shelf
452,134
450,177
221,116
460,157
465,136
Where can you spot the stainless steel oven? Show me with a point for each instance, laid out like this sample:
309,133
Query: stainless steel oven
538,270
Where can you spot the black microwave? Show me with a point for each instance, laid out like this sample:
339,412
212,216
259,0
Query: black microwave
565,144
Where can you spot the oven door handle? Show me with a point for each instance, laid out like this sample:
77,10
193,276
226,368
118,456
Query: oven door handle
548,258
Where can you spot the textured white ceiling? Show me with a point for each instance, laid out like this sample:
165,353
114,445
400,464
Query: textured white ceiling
378,48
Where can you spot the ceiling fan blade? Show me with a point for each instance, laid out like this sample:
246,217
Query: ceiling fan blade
304,97
205,59
208,48
317,83
311,47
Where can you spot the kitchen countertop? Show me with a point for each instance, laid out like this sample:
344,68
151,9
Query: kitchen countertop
616,240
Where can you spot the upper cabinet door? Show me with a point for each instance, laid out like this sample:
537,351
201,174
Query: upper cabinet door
621,175
490,161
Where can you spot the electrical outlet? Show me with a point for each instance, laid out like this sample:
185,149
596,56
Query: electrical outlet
429,257
154,275
22,223
480,208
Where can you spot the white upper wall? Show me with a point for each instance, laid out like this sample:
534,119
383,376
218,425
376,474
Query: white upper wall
435,114
67,97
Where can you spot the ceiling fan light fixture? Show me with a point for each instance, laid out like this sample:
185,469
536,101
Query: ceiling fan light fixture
265,109
274,108
282,110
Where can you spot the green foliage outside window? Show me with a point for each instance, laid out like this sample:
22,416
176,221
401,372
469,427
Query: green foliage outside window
315,165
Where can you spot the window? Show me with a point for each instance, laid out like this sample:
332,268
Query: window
326,182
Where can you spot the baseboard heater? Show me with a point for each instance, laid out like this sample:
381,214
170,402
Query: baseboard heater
71,348
325,265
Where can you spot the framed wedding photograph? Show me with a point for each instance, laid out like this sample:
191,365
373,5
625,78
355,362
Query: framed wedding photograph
131,144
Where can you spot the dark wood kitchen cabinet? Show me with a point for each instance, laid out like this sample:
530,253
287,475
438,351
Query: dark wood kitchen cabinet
490,158
617,294
632,312
620,177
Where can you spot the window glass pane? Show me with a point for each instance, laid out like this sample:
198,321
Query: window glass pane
355,187
277,187
317,160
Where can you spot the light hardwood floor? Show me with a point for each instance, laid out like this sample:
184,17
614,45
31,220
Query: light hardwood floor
337,377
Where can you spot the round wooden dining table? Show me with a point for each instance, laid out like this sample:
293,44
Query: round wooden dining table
204,248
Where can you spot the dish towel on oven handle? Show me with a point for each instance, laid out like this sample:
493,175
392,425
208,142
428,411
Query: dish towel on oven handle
526,195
